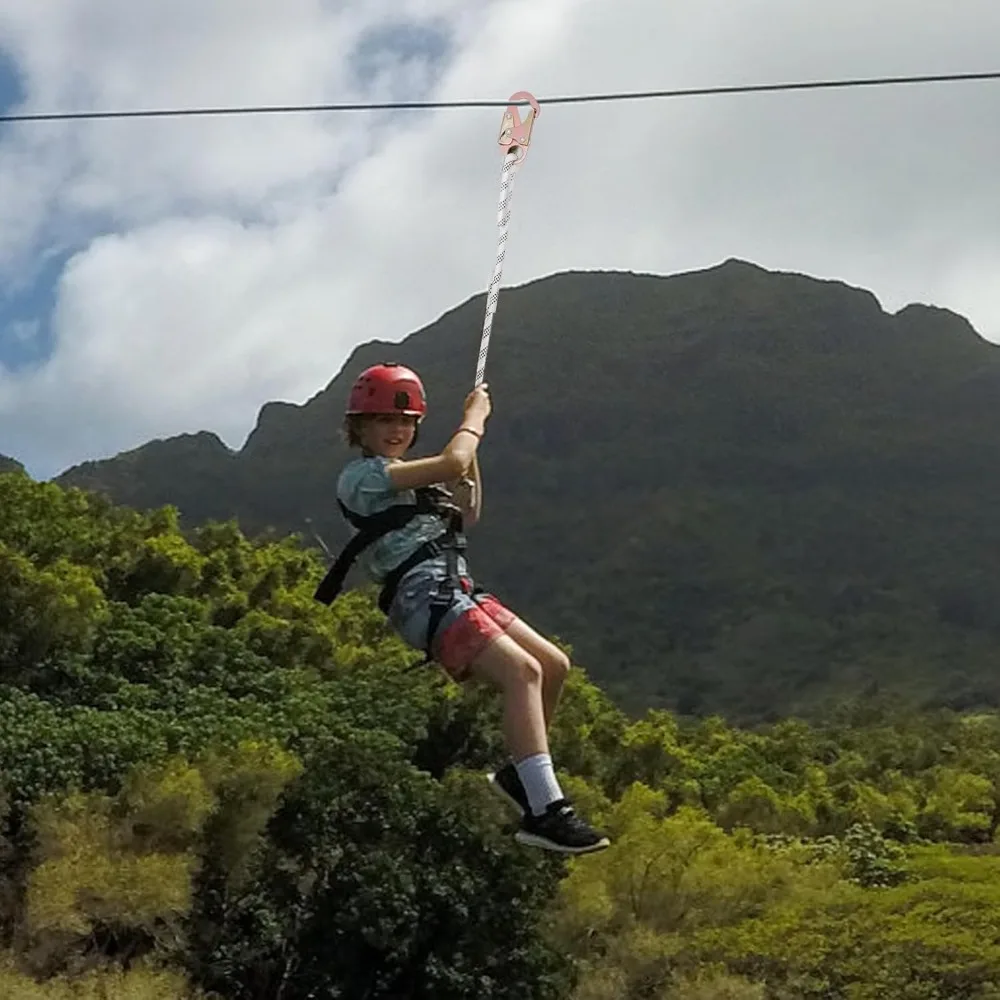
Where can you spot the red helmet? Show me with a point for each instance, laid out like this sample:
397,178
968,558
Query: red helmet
388,388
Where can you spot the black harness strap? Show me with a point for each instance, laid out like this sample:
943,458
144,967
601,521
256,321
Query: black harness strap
429,500
368,532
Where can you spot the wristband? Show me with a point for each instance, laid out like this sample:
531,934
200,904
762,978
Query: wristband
469,430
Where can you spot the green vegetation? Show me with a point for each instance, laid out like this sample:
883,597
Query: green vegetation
213,787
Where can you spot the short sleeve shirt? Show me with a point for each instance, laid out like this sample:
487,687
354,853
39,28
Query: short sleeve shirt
364,487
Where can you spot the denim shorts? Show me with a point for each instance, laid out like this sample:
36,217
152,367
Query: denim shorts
466,629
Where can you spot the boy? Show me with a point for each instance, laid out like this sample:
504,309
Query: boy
410,540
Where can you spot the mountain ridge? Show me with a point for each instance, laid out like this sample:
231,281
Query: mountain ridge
717,475
8,464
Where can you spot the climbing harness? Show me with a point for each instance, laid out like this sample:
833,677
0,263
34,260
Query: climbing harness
515,137
428,500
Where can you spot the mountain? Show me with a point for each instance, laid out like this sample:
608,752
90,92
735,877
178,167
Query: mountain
730,490
9,465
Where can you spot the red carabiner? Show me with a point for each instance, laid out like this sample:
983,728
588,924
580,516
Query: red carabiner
514,132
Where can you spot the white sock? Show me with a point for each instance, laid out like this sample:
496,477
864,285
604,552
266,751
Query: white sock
539,780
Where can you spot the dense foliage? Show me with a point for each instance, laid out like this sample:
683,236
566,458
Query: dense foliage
743,492
213,787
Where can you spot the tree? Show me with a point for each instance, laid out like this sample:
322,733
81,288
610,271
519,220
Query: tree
378,881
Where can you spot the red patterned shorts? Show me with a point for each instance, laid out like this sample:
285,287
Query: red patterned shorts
468,627
460,642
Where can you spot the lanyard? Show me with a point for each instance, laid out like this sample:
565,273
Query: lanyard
514,138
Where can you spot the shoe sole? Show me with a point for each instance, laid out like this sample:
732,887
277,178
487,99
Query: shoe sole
533,840
504,794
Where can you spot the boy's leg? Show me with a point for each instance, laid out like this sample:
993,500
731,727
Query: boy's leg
553,661
549,820
509,667
474,645
554,666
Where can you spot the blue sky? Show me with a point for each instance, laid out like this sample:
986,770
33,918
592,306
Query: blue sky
25,337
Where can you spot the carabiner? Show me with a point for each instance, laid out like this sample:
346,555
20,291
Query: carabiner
514,132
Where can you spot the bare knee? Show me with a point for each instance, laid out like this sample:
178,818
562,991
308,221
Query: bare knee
525,671
517,669
556,665
508,665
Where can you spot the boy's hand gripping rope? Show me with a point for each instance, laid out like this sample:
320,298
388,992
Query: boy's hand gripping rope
514,138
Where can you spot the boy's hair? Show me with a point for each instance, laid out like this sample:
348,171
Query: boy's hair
353,423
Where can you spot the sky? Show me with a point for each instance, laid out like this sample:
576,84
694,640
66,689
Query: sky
166,276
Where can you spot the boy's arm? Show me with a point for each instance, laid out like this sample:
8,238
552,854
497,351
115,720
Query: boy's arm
458,454
450,466
468,493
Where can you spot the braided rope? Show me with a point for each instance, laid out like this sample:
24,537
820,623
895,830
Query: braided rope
510,165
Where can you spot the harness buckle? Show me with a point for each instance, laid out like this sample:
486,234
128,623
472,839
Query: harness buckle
515,133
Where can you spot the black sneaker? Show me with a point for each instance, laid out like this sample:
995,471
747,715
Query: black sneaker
560,829
507,784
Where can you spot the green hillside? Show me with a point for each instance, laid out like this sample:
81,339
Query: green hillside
732,490
9,465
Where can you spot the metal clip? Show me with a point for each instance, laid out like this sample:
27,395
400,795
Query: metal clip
514,132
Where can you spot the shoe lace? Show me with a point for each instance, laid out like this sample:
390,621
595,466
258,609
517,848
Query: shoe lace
567,813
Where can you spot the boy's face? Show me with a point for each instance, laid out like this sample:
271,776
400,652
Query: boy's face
389,434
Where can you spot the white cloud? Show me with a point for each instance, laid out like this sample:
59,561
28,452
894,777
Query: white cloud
225,262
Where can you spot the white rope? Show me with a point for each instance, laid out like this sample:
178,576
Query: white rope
510,164
514,136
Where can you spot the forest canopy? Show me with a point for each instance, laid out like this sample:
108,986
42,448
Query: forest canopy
213,786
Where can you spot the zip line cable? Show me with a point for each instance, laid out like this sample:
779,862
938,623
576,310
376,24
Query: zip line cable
643,95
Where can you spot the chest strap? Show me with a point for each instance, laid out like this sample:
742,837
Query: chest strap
429,500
